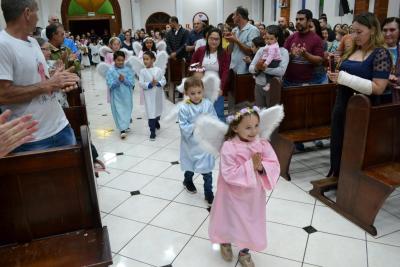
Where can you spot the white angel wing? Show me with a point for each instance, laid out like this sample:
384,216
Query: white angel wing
212,85
102,68
181,87
136,64
161,46
162,60
270,118
128,53
104,50
136,48
209,132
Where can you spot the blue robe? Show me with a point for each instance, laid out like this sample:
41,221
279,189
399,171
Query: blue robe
192,157
121,95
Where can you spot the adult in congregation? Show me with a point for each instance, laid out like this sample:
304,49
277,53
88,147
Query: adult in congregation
126,42
15,132
364,69
52,19
240,40
176,40
194,35
391,34
258,67
55,34
215,59
306,52
24,84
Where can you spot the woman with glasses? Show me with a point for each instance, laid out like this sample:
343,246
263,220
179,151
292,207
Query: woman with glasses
214,59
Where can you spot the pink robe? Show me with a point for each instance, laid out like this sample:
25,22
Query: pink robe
238,212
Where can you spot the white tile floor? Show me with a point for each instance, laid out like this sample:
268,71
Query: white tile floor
166,225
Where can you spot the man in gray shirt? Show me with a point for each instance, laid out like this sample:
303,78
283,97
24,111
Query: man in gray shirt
240,40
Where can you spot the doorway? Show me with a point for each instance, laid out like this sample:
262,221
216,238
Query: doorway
84,26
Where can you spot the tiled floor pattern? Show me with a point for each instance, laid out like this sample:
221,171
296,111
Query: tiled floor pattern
165,225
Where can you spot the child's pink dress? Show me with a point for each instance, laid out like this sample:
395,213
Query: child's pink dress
238,212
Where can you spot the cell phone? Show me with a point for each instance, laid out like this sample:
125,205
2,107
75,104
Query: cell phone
332,63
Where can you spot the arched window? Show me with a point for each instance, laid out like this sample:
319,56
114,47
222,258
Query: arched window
157,21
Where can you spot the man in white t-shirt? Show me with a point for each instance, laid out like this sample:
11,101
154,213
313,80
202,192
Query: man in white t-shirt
25,86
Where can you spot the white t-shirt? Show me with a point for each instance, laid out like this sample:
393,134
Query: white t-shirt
210,62
23,63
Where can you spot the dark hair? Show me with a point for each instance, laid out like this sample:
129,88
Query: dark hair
277,31
191,82
12,9
231,133
206,29
118,54
52,29
306,12
174,19
251,21
390,20
243,12
40,41
263,25
258,42
324,19
337,25
220,50
150,54
317,27
153,47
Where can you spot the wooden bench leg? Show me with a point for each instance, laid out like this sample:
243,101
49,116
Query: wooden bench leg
360,198
284,150
171,92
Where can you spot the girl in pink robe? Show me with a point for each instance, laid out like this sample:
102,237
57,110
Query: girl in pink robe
248,167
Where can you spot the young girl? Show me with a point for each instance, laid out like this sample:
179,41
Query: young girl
248,167
120,81
152,81
192,157
148,45
115,45
95,51
271,53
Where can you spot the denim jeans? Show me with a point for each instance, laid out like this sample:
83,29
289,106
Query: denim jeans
219,108
207,177
63,138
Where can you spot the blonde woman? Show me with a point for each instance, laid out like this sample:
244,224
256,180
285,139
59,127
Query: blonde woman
364,69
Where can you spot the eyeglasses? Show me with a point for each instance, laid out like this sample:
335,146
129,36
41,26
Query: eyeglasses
45,49
215,39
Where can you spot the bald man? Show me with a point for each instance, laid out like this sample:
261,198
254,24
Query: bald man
52,19
194,35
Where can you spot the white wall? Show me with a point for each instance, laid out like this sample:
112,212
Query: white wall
331,9
393,8
126,14
191,7
231,5
148,7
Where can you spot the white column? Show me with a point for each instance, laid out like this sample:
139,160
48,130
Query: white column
44,14
295,5
179,10
313,5
268,12
220,11
256,10
371,7
136,13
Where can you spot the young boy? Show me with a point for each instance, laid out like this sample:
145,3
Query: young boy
192,157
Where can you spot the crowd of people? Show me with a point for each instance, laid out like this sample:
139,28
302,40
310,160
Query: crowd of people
35,74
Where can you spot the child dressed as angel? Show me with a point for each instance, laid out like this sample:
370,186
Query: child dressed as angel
193,158
152,80
120,82
248,167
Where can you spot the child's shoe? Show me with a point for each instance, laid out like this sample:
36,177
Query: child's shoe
245,259
123,134
189,186
209,198
153,136
226,252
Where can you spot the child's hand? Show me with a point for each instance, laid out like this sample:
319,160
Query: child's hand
247,59
154,82
121,78
257,162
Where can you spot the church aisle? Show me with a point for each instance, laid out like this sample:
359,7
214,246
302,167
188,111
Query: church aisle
166,225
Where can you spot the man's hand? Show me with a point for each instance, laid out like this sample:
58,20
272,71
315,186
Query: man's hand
64,80
260,65
172,55
230,37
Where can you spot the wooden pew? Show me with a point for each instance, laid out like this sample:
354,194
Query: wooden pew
370,163
74,97
77,115
175,74
49,212
307,118
241,89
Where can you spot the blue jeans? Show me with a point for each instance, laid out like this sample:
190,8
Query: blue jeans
207,177
63,138
219,108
